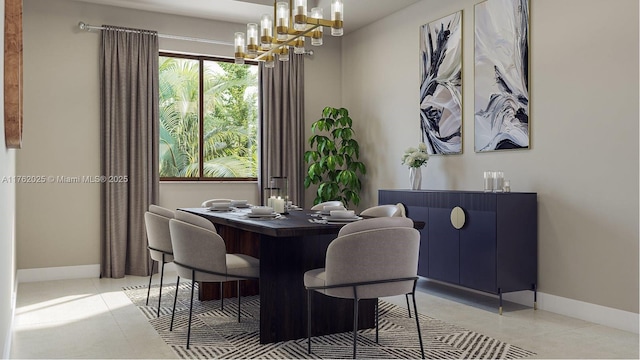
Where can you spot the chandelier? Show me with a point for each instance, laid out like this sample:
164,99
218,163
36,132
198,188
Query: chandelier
292,24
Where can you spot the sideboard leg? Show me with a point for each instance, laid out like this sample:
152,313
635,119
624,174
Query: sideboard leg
535,297
500,308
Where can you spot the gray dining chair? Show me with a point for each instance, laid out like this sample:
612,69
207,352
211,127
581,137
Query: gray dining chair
195,220
384,210
208,203
382,222
156,221
200,255
321,205
368,264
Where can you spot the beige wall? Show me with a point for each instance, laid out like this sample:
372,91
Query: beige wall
583,161
7,223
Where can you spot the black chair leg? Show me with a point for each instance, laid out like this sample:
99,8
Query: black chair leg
175,299
238,282
415,311
190,311
355,325
309,321
377,319
160,290
150,277
221,297
408,307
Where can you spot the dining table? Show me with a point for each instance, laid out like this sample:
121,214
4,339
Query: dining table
287,245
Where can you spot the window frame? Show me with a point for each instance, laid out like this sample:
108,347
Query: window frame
201,59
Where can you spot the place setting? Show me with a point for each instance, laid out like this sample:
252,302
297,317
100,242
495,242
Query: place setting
335,215
263,213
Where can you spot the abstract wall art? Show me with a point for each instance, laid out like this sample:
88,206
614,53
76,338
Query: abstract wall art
441,84
501,83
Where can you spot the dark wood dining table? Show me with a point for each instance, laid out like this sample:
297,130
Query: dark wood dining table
287,247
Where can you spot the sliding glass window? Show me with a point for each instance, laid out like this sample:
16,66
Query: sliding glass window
208,118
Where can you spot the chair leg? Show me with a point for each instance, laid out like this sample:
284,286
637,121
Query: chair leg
408,307
377,318
238,282
355,325
221,297
150,277
415,311
190,309
175,299
160,291
309,321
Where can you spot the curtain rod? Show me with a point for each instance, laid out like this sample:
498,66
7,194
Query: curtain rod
87,27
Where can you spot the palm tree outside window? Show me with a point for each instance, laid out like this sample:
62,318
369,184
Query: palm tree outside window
208,118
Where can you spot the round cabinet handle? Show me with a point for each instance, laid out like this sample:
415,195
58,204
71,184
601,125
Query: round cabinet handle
457,217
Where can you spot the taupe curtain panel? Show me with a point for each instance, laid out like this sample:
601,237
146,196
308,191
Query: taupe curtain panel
282,137
129,147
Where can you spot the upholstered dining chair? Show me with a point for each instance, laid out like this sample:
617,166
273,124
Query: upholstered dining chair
156,221
203,223
384,210
321,205
200,255
349,274
207,203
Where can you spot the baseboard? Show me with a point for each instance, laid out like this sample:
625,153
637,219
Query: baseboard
615,318
67,272
58,273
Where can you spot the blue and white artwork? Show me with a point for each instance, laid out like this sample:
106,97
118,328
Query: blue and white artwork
440,85
501,75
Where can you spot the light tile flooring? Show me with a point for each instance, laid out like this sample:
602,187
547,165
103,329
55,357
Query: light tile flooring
92,318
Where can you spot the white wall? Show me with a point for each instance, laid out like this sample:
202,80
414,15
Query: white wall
583,161
7,223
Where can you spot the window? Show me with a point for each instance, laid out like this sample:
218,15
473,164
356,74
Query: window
208,118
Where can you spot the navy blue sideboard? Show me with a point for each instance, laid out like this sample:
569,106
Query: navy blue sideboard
496,248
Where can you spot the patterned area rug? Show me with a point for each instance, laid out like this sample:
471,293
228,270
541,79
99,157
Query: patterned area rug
216,334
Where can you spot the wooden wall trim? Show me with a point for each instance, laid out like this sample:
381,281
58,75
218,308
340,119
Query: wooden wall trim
13,73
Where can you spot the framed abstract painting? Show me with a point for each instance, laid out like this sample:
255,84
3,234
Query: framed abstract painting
501,94
441,85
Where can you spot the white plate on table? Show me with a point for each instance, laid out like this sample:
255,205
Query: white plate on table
341,219
262,216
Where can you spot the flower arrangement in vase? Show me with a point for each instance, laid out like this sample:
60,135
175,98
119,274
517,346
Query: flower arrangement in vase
415,158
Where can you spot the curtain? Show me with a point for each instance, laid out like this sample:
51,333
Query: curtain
129,127
282,125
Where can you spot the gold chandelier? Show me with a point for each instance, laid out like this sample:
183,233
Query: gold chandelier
266,46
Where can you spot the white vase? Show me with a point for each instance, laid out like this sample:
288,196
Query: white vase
415,177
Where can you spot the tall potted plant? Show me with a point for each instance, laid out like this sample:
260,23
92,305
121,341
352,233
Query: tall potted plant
333,158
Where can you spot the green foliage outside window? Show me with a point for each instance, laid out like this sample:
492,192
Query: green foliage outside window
229,119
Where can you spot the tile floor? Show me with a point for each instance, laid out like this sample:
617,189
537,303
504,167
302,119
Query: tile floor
92,318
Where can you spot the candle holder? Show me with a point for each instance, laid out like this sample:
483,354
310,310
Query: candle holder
279,194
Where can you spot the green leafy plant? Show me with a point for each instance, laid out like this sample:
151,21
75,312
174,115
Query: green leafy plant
333,158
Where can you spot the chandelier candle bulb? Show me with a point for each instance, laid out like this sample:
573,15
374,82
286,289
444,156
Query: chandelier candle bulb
239,46
252,38
316,35
337,10
300,15
299,46
282,13
266,29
